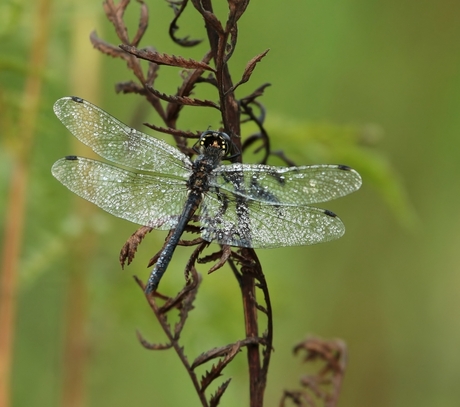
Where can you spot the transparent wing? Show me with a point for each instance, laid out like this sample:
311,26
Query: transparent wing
145,199
249,223
117,142
287,185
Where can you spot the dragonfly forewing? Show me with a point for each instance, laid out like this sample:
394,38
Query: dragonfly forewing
117,142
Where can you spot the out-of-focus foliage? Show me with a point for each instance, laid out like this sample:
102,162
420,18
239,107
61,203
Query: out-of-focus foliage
356,145
390,292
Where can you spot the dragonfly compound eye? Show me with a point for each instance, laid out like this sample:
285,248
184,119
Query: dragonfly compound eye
215,139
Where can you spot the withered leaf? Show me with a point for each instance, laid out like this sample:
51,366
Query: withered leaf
115,15
143,24
209,17
173,132
216,370
237,8
183,100
227,350
249,69
105,47
173,27
215,398
152,346
130,87
129,249
166,59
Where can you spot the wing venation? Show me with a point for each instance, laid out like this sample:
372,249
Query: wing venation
287,185
145,199
257,224
117,142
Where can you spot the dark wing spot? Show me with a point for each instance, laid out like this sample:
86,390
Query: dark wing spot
71,157
330,213
343,167
77,99
258,192
223,198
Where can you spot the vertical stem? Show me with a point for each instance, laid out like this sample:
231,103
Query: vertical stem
75,339
8,287
231,120
85,81
251,327
17,196
228,103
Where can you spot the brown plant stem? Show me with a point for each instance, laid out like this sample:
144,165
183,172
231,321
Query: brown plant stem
231,121
17,196
251,327
228,104
250,273
222,37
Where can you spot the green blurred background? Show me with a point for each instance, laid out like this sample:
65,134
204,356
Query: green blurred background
384,73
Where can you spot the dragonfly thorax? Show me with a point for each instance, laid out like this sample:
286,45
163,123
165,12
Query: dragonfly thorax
202,168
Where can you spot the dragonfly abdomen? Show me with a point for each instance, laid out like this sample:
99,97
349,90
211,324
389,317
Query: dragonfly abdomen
198,185
162,263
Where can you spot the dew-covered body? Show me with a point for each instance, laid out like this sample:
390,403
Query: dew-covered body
153,184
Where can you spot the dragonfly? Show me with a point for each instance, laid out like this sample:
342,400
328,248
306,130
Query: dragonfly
151,183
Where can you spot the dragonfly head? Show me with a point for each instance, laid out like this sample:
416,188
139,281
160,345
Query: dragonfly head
214,139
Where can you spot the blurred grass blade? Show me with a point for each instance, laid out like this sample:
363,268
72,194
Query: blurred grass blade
17,194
